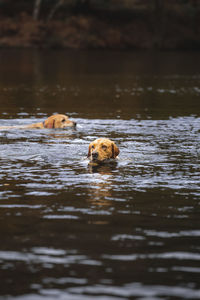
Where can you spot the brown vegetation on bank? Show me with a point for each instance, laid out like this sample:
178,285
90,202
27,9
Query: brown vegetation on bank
140,26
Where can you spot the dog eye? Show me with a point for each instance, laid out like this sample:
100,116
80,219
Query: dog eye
92,146
104,147
63,120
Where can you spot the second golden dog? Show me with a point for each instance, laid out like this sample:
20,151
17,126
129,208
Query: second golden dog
54,121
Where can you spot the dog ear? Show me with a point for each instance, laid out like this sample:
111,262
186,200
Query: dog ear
89,150
49,123
115,150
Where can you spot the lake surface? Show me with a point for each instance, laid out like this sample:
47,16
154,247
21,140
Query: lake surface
128,231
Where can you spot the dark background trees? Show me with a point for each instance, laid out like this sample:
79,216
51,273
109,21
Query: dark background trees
164,24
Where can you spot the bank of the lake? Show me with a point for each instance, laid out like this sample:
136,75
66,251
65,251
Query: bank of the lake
101,31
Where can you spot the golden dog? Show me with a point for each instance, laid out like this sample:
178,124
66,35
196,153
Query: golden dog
54,121
101,150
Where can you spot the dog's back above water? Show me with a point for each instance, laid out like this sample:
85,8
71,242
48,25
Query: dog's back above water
54,121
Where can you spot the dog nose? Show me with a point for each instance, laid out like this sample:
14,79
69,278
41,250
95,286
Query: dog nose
74,123
94,155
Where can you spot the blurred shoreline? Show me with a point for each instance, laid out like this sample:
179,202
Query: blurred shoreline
102,30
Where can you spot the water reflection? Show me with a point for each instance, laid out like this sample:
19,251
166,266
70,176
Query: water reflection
138,86
100,193
104,168
116,231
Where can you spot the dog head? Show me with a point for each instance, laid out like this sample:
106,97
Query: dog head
101,150
58,121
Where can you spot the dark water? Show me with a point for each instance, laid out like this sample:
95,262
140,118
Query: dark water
129,231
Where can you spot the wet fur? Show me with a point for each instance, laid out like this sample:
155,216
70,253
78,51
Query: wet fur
102,150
